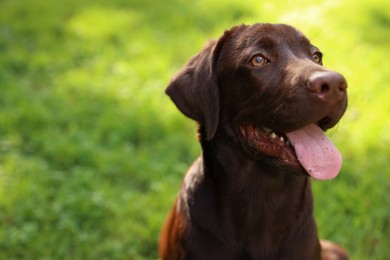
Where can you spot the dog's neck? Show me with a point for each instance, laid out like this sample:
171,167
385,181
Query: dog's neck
254,198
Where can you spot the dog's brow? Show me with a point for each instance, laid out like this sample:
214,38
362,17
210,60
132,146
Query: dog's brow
266,42
314,48
305,41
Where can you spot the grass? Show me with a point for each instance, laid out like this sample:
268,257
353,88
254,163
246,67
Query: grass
92,152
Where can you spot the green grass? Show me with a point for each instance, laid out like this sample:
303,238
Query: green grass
92,152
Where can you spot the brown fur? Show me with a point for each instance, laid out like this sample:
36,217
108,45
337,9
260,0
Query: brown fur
236,203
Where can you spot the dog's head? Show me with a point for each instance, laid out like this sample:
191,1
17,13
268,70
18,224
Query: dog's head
266,87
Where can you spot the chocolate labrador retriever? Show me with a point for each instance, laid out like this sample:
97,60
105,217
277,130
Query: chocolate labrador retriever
263,101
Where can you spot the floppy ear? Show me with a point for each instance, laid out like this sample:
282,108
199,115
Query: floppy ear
194,89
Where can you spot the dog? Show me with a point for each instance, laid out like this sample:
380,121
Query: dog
263,100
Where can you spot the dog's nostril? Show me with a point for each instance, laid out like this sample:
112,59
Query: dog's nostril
343,86
318,85
324,88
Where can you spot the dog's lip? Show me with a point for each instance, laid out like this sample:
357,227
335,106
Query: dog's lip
262,140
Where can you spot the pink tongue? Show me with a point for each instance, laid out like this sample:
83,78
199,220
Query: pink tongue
317,154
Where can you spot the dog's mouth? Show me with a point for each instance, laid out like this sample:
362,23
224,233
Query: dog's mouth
267,142
307,147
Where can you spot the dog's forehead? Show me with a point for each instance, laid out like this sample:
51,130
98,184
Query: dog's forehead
279,31
271,34
245,38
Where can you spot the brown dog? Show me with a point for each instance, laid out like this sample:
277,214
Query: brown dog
262,99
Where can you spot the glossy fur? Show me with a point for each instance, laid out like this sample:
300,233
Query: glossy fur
235,203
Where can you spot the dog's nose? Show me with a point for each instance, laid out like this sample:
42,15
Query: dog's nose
327,85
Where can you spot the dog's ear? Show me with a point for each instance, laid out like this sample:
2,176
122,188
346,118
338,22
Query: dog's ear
194,89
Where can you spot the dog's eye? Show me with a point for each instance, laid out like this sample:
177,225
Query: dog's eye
258,61
316,57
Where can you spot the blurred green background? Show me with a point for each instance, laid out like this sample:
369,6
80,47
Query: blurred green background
92,151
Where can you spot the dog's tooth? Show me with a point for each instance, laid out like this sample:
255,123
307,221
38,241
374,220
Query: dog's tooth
257,132
287,142
243,132
281,139
267,130
273,135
